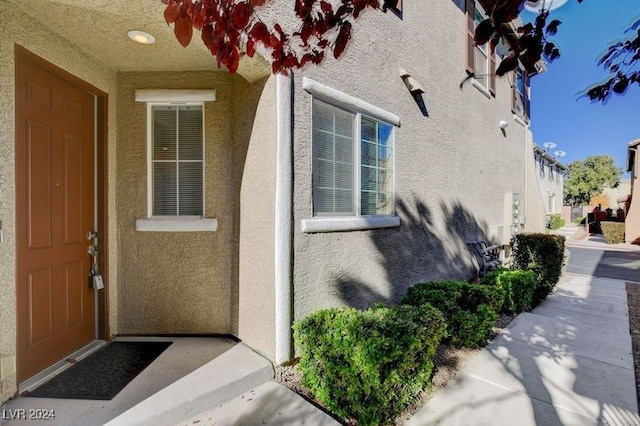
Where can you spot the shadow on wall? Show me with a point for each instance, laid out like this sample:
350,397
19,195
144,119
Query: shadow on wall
429,245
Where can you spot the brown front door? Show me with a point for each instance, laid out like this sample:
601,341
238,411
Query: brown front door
55,212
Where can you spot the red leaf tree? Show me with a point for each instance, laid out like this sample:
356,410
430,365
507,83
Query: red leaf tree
231,29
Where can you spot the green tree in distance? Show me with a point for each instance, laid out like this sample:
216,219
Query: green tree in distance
587,178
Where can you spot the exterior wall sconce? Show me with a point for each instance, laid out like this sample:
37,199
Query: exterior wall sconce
503,124
412,84
141,37
416,90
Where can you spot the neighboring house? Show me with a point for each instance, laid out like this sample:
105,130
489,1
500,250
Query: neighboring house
240,203
617,195
550,174
632,220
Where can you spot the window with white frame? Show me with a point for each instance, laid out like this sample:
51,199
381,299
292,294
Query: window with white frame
176,148
352,163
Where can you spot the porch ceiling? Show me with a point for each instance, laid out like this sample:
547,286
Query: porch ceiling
99,28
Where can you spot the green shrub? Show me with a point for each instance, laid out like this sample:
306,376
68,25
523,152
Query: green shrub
471,310
518,286
368,365
579,220
613,232
555,221
544,255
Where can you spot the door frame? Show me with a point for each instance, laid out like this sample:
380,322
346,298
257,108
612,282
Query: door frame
101,178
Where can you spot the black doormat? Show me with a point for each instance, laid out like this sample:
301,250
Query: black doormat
104,374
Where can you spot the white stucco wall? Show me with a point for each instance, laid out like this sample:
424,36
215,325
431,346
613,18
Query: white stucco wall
550,184
18,28
535,204
452,168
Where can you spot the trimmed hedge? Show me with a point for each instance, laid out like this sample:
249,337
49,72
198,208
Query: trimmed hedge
368,365
544,255
471,310
556,221
613,232
518,286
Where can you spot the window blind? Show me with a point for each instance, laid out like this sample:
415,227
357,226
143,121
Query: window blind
333,170
340,162
177,160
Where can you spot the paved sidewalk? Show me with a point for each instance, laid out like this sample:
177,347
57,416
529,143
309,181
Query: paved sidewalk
597,241
571,231
568,362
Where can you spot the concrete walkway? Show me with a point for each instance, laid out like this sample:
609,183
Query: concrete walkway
568,362
571,231
597,241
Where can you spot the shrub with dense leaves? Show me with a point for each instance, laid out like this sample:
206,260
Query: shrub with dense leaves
368,365
471,310
613,232
555,221
544,255
518,286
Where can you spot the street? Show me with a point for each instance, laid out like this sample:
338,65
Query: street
622,265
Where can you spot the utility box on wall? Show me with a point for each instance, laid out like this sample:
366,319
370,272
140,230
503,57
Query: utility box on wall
514,218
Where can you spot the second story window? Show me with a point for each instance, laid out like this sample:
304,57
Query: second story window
481,61
520,103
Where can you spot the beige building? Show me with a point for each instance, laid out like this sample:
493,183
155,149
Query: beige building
632,221
237,204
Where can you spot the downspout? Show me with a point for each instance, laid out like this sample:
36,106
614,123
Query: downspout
525,196
283,219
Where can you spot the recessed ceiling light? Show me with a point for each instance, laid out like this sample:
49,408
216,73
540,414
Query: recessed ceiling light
141,37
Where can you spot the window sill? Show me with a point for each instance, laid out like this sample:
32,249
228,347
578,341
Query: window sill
176,225
316,225
519,120
480,88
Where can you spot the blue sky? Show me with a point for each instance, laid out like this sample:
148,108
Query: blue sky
578,126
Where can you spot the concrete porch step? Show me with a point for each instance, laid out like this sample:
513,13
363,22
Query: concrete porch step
231,374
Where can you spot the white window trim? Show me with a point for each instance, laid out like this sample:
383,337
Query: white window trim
360,108
176,225
475,83
175,95
519,120
154,97
322,224
349,102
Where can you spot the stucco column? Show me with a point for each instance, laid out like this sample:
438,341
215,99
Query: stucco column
283,217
